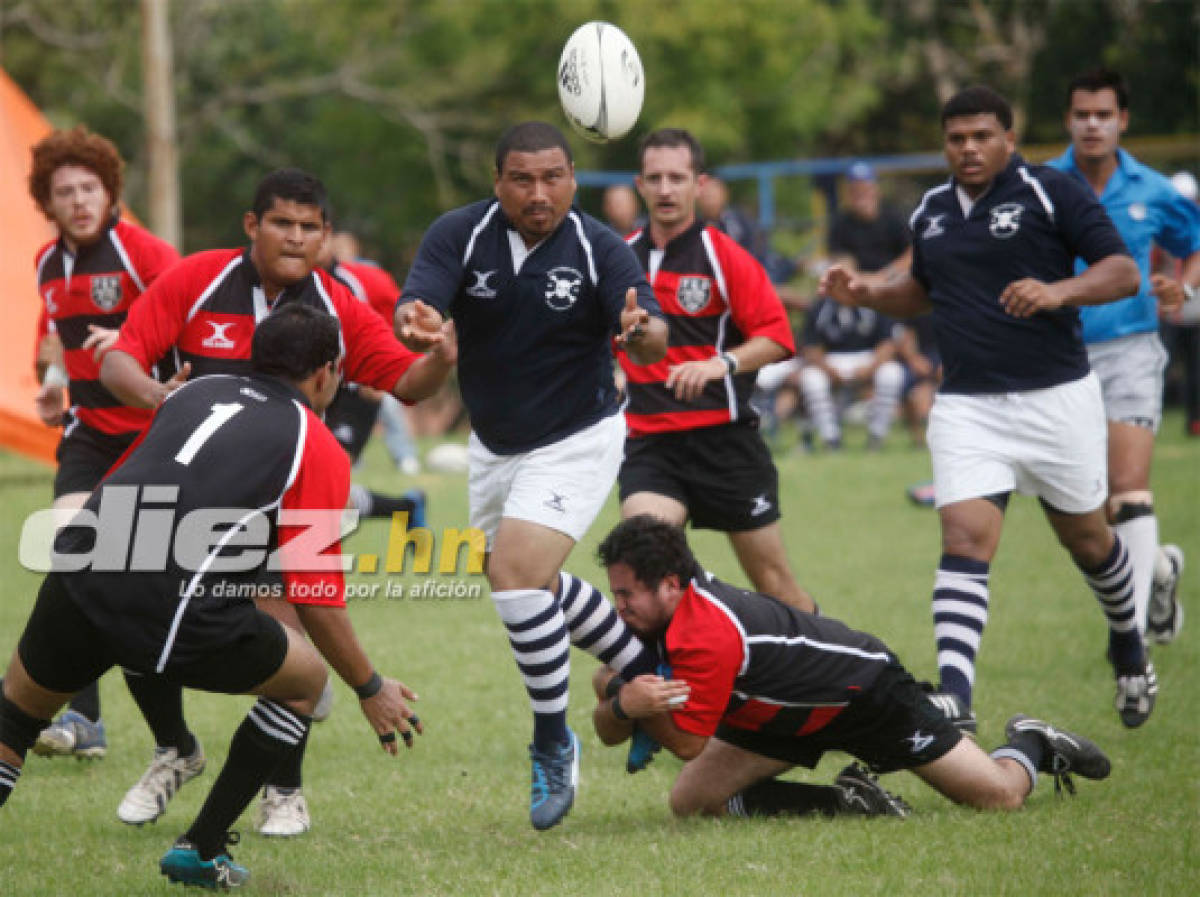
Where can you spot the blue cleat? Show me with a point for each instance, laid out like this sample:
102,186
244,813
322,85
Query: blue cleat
72,735
182,865
642,747
416,517
555,777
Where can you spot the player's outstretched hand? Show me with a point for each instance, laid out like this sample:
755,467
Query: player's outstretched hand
688,379
1026,297
418,326
100,340
634,321
1169,293
844,286
49,404
388,712
648,694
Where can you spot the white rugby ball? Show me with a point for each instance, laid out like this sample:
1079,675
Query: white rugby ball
448,457
601,83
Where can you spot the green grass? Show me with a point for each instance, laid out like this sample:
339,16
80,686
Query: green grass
450,817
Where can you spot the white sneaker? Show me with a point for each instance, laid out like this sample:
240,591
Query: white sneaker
282,812
148,799
1164,617
410,466
324,703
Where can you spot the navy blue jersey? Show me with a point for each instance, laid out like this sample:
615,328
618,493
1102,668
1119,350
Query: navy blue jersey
840,328
1033,222
535,359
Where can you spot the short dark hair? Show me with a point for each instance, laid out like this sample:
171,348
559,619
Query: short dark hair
652,548
294,184
294,341
673,137
1100,78
978,100
530,137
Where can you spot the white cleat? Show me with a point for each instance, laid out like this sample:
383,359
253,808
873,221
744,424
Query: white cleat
282,813
148,799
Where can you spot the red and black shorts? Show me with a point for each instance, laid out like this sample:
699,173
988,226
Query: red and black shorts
892,725
724,475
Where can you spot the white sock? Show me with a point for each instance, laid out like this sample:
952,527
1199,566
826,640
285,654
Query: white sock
1140,536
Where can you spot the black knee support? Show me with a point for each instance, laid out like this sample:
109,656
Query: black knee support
1132,510
18,730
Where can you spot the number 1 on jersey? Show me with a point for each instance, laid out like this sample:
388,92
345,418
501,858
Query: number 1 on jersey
220,415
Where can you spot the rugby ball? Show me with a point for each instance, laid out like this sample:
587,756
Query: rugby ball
601,83
448,457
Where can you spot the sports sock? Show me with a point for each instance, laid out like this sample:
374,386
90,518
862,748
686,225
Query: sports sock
376,504
773,797
86,701
1140,535
1028,750
537,634
818,399
8,780
269,731
960,611
288,774
161,703
1112,582
889,381
596,628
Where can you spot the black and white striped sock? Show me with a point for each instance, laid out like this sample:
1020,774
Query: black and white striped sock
8,780
596,628
537,634
269,731
960,612
1112,582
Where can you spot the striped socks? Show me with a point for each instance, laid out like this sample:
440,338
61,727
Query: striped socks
596,628
537,634
1112,582
960,611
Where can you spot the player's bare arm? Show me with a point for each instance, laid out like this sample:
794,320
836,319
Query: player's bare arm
1110,279
426,375
418,325
899,297
387,710
644,338
124,377
100,339
648,699
689,378
1172,293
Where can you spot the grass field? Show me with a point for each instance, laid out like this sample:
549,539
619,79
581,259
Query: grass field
450,817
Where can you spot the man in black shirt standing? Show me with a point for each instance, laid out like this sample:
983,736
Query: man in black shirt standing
994,256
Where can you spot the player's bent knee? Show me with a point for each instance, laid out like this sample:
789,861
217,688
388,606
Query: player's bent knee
889,377
814,379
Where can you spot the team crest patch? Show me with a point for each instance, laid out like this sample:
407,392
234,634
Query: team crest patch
1006,220
693,293
106,291
562,287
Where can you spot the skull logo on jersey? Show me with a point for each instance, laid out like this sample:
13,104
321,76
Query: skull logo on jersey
693,293
562,287
106,291
1006,220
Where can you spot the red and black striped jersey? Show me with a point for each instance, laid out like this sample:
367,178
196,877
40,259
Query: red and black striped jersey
205,309
97,286
715,296
370,284
755,663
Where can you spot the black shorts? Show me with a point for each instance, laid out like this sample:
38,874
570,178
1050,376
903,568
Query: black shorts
723,475
890,726
351,418
85,456
64,650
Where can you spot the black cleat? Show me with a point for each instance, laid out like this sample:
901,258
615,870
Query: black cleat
1065,752
860,794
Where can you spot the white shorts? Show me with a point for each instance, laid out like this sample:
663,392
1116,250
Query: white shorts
562,485
1130,369
1051,443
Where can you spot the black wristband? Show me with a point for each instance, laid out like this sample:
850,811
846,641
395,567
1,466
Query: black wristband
617,710
731,362
370,688
614,686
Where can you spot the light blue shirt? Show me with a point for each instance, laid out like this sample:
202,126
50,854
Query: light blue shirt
1147,209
